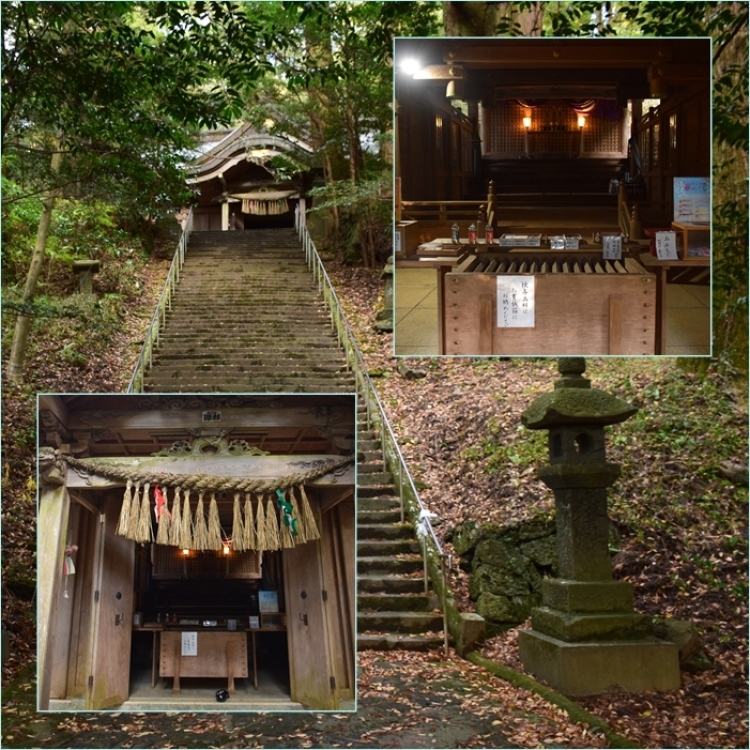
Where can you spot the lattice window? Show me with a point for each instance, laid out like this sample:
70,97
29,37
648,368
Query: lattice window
172,563
505,129
553,125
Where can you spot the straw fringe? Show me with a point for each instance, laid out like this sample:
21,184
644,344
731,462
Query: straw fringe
272,527
308,519
260,526
249,538
162,534
301,535
238,528
144,533
186,529
135,512
175,528
200,530
214,525
122,526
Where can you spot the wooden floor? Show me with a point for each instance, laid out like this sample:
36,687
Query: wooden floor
199,695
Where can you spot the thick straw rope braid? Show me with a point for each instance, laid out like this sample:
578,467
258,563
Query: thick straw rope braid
206,482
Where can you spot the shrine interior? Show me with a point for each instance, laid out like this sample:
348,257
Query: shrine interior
545,137
163,591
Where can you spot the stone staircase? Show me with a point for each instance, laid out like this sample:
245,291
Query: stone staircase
247,317
393,609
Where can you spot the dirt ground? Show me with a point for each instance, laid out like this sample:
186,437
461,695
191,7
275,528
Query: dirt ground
405,700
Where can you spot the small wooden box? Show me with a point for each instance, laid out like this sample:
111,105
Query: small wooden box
693,240
272,620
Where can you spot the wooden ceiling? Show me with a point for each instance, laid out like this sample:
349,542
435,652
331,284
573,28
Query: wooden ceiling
544,67
141,425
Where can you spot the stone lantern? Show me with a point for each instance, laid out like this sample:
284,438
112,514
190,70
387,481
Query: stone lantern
586,638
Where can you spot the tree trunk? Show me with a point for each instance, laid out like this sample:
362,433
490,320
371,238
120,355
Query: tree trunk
483,19
23,322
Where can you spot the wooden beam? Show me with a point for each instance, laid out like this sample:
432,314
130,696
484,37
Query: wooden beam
332,500
608,53
175,419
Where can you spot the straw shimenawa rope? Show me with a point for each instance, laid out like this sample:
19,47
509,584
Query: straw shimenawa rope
206,482
295,524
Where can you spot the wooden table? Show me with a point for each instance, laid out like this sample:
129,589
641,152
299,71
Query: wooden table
696,271
220,653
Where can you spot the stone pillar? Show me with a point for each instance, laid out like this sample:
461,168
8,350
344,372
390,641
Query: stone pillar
586,638
86,270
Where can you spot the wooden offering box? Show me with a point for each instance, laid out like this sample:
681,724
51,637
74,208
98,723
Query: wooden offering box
218,654
574,303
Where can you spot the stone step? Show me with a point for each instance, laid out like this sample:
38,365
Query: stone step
380,566
400,622
371,467
370,603
377,478
291,370
328,360
378,641
378,517
383,531
387,547
393,584
379,503
152,385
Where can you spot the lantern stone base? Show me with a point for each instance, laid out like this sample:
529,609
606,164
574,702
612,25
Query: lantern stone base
586,626
598,667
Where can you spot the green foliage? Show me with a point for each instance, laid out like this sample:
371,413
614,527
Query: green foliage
79,230
493,456
365,209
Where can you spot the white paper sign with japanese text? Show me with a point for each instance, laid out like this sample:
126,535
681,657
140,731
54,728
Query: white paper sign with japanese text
611,246
515,301
190,643
666,245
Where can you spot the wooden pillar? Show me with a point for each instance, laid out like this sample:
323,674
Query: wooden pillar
52,527
225,216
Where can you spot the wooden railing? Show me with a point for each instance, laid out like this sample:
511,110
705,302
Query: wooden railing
436,562
163,306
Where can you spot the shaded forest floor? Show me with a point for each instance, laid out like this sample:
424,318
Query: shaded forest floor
680,508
